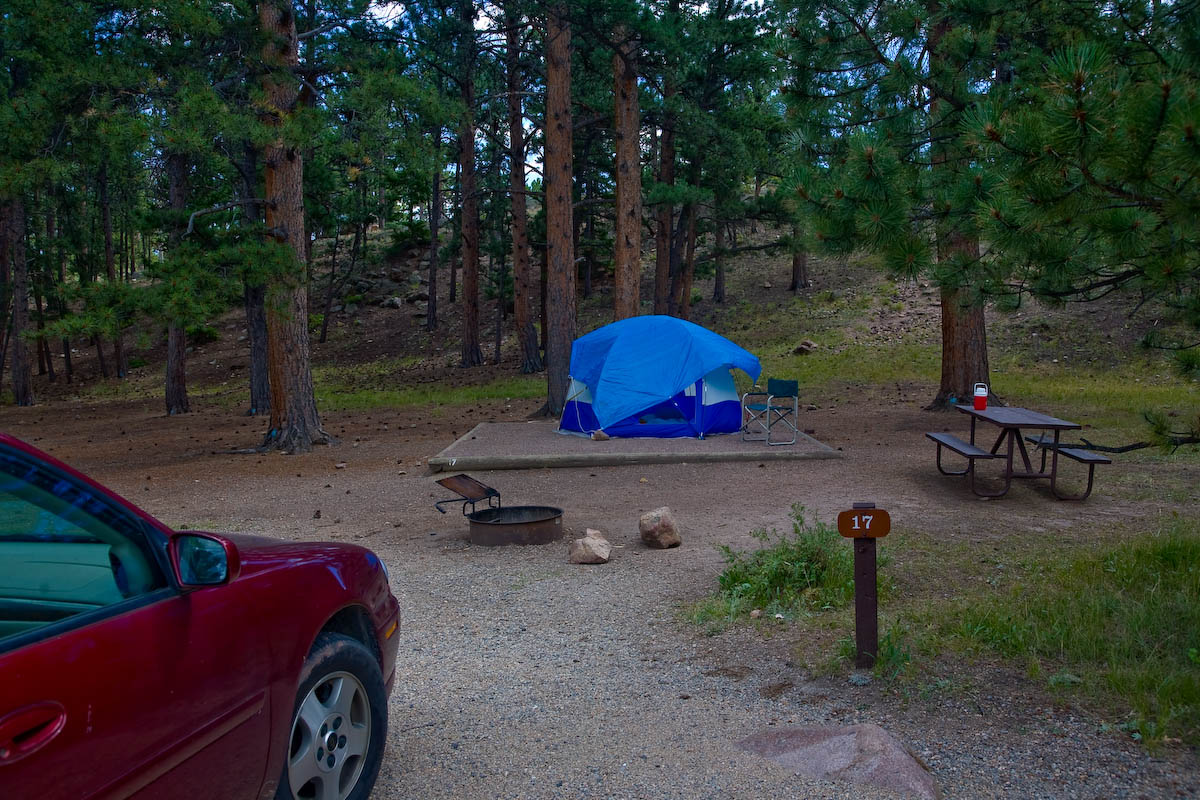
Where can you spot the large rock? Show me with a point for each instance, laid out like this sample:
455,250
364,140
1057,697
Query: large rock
593,548
659,529
859,753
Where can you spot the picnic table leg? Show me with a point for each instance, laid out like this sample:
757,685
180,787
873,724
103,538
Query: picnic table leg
1024,451
1054,476
1007,470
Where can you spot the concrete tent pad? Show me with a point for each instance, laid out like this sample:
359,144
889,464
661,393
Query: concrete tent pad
537,445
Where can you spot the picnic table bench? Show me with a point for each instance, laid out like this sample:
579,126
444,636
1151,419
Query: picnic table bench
1012,421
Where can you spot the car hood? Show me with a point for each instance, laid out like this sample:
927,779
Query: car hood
260,553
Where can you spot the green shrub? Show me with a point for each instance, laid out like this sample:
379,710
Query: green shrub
407,236
813,567
202,334
315,321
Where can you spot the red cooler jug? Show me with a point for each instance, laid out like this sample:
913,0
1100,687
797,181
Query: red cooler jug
981,395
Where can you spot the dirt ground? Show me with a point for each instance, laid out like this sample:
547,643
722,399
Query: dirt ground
373,488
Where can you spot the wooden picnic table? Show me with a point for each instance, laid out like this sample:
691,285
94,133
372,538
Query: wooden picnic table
1013,422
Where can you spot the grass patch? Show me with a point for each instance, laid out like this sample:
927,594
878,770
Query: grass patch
811,569
833,366
1120,625
337,397
1109,400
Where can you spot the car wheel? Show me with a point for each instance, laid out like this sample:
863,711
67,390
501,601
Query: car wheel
339,724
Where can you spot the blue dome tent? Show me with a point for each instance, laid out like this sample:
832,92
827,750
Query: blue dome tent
654,376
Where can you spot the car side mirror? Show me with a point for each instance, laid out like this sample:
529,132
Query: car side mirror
203,559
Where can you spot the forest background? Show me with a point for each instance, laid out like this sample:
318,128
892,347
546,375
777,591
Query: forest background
163,163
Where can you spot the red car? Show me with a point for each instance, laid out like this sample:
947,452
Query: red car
138,661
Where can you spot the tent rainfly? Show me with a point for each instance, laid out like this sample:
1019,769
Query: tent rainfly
654,376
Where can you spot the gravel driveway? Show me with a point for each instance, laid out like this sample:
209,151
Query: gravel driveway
522,676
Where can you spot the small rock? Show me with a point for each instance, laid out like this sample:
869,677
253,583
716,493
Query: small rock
340,465
600,436
756,613
317,514
806,347
593,548
860,679
659,529
768,285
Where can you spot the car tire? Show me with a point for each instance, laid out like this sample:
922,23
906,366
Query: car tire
339,724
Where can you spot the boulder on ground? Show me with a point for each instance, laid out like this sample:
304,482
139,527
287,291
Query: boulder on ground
392,302
659,529
593,548
806,347
860,753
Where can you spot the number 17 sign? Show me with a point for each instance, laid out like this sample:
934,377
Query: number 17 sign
864,523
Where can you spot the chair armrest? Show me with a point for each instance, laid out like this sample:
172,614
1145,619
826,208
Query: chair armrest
755,394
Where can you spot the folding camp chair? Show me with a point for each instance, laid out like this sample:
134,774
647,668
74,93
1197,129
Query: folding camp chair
780,406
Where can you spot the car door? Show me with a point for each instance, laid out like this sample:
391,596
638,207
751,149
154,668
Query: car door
112,681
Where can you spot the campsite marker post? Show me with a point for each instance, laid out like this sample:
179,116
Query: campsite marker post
864,524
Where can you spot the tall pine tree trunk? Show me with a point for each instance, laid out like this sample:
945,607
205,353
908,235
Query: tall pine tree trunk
52,241
964,339
627,254
527,340
472,355
718,294
254,292
120,360
799,262
295,424
435,218
176,373
560,294
665,215
22,379
664,234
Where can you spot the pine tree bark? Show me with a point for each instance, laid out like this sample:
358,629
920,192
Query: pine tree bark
254,302
718,295
627,253
22,379
664,234
176,395
295,424
560,295
254,293
665,214
120,360
799,263
435,218
456,228
52,241
472,355
527,339
964,349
